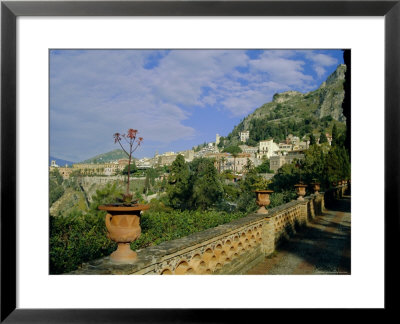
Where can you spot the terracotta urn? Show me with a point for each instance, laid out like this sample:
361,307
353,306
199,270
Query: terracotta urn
262,200
123,225
316,187
300,190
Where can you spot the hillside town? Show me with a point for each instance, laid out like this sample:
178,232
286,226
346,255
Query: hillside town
278,154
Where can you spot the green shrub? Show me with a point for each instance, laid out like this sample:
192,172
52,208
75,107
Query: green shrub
159,226
280,198
75,239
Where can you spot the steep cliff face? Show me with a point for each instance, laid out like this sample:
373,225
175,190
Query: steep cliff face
331,95
293,107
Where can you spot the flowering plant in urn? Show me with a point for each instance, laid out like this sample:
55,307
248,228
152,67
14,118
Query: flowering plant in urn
133,144
123,220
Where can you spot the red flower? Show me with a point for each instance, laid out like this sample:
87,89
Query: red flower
117,137
132,133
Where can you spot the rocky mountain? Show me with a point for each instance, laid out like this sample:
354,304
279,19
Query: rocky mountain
297,113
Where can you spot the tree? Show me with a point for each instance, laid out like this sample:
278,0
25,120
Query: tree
337,164
246,201
207,189
56,190
146,187
313,164
129,168
334,135
322,138
56,176
178,184
312,140
286,177
152,174
264,167
221,142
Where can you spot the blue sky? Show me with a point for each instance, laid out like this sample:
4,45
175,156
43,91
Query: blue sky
176,99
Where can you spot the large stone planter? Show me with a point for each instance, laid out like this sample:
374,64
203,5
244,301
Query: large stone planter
123,225
262,200
300,190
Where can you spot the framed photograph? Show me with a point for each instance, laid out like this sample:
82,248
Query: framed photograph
50,52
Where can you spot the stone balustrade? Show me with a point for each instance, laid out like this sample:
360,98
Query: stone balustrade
231,248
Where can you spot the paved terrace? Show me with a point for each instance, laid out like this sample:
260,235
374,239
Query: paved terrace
323,247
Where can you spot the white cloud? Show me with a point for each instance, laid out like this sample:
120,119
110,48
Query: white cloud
96,93
320,61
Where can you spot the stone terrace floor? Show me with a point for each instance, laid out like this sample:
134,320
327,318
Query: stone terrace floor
323,247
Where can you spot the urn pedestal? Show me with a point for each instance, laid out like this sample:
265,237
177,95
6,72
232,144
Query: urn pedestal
262,200
300,190
123,225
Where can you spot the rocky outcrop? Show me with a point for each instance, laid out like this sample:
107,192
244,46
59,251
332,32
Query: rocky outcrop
286,96
325,101
331,95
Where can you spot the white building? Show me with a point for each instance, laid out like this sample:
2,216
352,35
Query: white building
285,147
217,139
268,148
244,136
249,149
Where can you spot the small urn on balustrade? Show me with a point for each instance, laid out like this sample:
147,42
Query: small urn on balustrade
316,186
262,200
300,190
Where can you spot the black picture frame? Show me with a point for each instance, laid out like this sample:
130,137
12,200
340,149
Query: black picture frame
10,10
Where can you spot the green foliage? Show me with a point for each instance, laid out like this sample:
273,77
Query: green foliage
280,198
110,194
221,142
264,166
251,182
76,239
160,226
286,177
56,190
312,139
233,149
313,164
337,165
56,176
152,173
178,185
107,157
133,169
318,165
207,189
322,138
251,142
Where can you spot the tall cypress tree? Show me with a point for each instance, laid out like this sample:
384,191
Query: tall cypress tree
334,135
322,138
178,186
312,139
